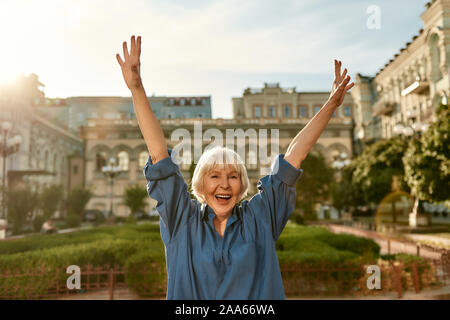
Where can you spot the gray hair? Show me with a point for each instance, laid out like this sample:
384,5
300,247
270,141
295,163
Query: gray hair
218,157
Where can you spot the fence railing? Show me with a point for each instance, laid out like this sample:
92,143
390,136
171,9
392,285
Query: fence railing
352,279
299,280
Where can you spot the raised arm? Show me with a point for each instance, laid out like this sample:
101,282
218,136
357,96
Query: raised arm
149,125
303,142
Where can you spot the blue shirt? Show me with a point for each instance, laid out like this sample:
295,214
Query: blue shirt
240,265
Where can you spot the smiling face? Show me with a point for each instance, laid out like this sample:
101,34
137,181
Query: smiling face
222,189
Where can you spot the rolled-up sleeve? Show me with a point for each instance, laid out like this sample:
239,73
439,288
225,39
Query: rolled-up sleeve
166,185
275,200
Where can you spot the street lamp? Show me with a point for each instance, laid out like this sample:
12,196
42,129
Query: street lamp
7,147
340,161
111,171
413,131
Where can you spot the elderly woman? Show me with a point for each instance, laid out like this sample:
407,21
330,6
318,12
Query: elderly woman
217,248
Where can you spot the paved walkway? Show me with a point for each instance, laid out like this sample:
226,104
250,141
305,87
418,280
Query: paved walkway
395,246
127,294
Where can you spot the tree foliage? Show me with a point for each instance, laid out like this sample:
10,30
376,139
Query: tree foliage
375,168
313,186
77,200
50,199
134,197
20,203
427,160
347,194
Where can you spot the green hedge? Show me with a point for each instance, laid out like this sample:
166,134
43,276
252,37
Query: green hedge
140,246
315,245
138,277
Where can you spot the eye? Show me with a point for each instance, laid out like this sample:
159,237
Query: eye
214,176
234,177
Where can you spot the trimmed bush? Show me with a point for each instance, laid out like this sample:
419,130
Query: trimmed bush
138,277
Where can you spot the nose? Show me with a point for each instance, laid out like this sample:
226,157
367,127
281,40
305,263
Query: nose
224,183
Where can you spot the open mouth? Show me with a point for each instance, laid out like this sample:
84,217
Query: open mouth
223,198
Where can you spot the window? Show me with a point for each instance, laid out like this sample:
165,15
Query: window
316,109
203,101
123,160
143,157
182,102
347,111
171,101
272,112
193,102
46,160
257,112
100,161
303,112
334,114
287,111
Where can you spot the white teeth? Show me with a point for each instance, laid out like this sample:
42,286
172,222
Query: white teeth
223,196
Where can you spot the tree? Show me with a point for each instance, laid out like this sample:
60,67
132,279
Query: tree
50,199
347,194
20,204
427,160
135,197
313,186
376,167
75,204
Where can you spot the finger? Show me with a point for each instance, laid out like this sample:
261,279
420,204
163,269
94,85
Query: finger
338,70
349,86
119,59
343,84
336,66
139,46
344,74
125,50
132,45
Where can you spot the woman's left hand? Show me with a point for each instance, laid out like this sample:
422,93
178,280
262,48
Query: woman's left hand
340,85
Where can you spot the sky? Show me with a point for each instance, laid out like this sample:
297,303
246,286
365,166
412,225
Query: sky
199,47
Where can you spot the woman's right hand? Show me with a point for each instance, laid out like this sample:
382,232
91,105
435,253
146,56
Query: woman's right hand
131,67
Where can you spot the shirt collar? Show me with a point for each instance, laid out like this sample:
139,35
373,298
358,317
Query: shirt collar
207,211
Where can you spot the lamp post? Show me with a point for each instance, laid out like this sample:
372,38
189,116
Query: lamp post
340,161
7,147
414,131
111,171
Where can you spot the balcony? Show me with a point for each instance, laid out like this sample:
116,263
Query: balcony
416,87
383,107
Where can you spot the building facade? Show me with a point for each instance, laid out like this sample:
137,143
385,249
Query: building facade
290,110
407,90
47,151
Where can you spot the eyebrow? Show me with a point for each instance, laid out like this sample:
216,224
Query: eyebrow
215,171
